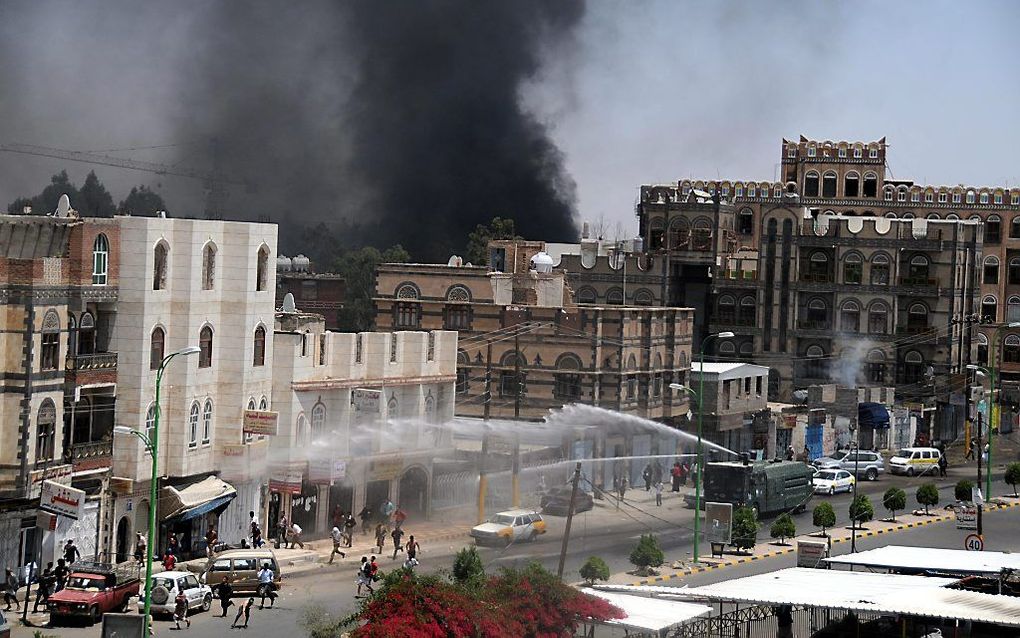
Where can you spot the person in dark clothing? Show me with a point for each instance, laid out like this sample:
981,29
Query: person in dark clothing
60,574
784,621
224,592
45,588
647,476
397,535
349,524
11,590
366,519
71,552
943,463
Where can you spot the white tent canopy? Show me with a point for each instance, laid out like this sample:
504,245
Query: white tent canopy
653,615
947,561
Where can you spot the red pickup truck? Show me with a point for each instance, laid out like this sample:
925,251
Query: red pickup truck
92,590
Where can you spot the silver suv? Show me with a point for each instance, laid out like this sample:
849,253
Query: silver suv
868,464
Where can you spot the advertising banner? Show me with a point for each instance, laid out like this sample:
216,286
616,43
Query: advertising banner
260,422
64,500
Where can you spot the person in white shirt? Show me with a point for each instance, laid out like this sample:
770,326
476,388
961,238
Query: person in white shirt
267,589
295,536
338,538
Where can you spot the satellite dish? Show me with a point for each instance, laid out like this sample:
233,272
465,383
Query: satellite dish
288,303
63,206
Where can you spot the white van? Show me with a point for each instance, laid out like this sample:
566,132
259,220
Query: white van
915,460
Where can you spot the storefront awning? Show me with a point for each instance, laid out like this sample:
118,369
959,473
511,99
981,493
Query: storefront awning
872,415
208,495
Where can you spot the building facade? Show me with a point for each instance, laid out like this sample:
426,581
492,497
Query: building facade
734,403
209,284
360,419
322,293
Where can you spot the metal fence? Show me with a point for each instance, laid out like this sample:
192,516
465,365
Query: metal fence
762,622
460,489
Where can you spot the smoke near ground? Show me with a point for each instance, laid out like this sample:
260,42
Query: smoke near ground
404,117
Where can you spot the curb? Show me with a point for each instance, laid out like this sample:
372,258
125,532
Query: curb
689,571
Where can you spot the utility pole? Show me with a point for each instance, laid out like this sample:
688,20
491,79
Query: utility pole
857,455
483,479
570,519
515,462
980,453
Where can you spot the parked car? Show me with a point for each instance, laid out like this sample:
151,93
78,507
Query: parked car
165,586
508,527
832,481
92,590
867,464
556,501
241,568
915,460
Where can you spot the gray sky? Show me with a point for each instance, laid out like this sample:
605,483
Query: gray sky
651,91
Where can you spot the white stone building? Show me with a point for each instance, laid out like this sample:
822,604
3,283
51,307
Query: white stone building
358,419
199,283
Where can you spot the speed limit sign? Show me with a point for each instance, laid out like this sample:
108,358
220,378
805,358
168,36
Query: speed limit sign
974,543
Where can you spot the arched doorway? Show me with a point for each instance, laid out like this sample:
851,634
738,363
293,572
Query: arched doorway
123,542
414,489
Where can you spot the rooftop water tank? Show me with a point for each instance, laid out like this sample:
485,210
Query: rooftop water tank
283,264
542,262
301,263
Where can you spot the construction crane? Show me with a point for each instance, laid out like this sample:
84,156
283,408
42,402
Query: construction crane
214,181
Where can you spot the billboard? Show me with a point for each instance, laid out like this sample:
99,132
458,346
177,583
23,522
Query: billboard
63,500
260,422
286,480
326,470
719,522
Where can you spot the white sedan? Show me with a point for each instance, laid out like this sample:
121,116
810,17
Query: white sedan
165,586
832,481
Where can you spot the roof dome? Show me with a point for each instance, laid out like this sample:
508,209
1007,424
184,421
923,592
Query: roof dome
542,262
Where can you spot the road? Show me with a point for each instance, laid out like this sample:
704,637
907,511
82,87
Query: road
607,532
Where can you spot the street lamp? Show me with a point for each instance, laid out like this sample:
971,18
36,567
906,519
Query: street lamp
701,412
151,441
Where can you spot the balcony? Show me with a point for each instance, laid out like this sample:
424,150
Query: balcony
91,455
919,281
916,329
817,278
808,324
97,361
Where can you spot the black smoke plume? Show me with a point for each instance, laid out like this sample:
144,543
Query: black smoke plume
403,118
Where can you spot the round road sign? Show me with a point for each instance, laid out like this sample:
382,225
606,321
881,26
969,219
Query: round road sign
974,542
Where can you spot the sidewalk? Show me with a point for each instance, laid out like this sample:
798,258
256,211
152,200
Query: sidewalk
768,548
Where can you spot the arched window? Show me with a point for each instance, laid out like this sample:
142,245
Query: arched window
918,270
643,298
817,314
100,260
990,270
208,266
246,437
205,345
1014,227
876,366
318,422
302,431
727,309
150,418
745,222
159,259
656,233
982,349
157,343
679,233
816,366
811,184
818,267
49,357
567,379
746,348
851,185
870,185
259,355
747,311
913,367
901,194
878,318
880,270
727,348
263,403
458,293
1013,309
193,424
917,318
262,269
407,291
853,268
888,193
993,229
829,184
614,296
1011,349
850,317
72,335
586,295
970,197
207,422
989,309
87,334
46,424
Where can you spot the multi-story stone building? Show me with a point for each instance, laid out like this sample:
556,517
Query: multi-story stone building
840,272
198,283
360,419
521,329
735,404
318,292
59,279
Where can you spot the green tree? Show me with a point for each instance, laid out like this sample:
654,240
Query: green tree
646,553
46,202
963,491
477,251
93,199
823,516
861,510
783,528
894,500
594,569
927,495
1012,475
141,201
358,269
745,528
468,569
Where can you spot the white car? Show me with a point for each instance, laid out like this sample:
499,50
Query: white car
165,586
509,527
832,481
